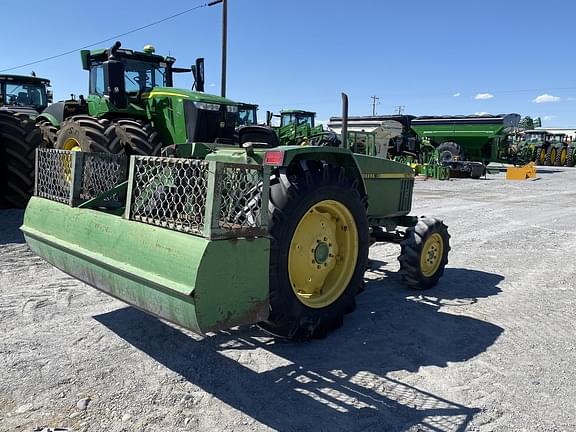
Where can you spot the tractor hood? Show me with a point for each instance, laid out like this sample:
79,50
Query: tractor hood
159,92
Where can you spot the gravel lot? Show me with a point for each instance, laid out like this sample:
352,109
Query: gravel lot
491,348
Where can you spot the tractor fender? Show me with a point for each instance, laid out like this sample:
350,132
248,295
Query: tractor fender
49,117
57,112
335,156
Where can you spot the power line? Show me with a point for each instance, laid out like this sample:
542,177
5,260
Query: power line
118,36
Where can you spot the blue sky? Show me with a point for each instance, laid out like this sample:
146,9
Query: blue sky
433,57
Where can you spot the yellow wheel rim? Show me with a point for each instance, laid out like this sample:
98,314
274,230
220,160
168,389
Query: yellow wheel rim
563,156
72,144
552,156
431,256
542,156
323,254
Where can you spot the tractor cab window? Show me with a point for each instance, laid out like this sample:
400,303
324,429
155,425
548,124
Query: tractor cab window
141,76
25,94
97,79
305,120
530,137
556,138
246,116
287,119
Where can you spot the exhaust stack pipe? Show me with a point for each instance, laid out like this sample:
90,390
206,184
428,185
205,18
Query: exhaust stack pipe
344,120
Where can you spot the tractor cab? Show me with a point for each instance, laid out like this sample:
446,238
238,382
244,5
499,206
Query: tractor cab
557,138
247,114
534,136
297,117
120,79
24,93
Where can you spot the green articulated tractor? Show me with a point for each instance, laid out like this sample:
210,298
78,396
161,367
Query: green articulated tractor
230,227
22,98
132,106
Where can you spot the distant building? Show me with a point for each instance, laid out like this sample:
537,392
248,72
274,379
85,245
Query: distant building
570,132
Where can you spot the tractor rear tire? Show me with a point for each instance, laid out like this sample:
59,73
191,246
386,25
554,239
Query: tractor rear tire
424,253
88,134
19,139
449,152
319,236
136,137
550,156
48,131
562,156
570,156
540,155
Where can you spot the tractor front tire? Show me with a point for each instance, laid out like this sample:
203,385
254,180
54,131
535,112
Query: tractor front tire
449,152
562,156
136,137
319,251
424,253
88,134
540,155
19,139
48,131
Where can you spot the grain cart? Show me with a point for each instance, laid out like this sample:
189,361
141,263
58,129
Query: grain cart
219,234
21,99
132,106
460,139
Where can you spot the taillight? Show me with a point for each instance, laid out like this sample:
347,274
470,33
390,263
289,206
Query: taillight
274,158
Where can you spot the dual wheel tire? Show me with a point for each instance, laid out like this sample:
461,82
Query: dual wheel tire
319,251
123,136
19,139
553,156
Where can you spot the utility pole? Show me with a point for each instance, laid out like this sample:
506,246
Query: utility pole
374,99
400,109
224,41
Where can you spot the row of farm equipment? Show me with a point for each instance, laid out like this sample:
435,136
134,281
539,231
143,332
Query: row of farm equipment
120,121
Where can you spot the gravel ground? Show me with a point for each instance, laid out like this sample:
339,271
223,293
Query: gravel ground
491,348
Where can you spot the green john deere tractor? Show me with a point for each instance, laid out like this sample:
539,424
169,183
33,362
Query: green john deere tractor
132,107
21,99
220,233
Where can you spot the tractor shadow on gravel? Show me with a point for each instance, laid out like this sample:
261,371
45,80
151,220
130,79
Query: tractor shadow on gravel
359,378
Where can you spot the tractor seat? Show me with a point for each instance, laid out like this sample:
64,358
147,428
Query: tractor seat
260,136
23,98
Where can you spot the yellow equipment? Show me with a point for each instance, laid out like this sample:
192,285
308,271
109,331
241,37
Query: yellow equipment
524,172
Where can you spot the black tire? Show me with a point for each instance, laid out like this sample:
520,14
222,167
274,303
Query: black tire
292,196
136,137
540,155
19,139
90,133
48,131
550,157
558,161
415,244
449,152
477,171
570,157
